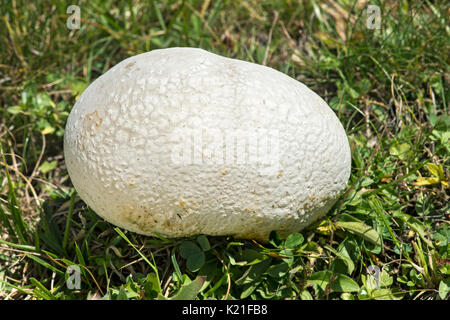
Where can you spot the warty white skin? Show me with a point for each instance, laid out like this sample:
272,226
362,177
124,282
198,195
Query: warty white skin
121,147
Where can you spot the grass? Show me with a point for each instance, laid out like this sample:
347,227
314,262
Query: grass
388,86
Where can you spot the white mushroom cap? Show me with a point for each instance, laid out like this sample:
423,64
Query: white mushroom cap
181,141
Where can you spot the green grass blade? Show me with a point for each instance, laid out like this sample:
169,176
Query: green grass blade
68,220
361,229
152,265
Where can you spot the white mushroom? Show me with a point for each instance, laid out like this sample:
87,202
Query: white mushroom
181,141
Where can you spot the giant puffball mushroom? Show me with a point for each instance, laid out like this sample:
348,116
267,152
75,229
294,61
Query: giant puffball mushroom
181,141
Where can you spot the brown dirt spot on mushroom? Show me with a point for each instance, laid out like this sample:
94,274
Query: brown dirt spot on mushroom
168,224
254,235
139,218
92,122
129,65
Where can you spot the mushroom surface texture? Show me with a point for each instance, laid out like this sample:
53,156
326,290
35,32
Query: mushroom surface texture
181,141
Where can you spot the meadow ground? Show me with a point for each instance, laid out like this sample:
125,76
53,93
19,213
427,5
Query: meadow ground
386,76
